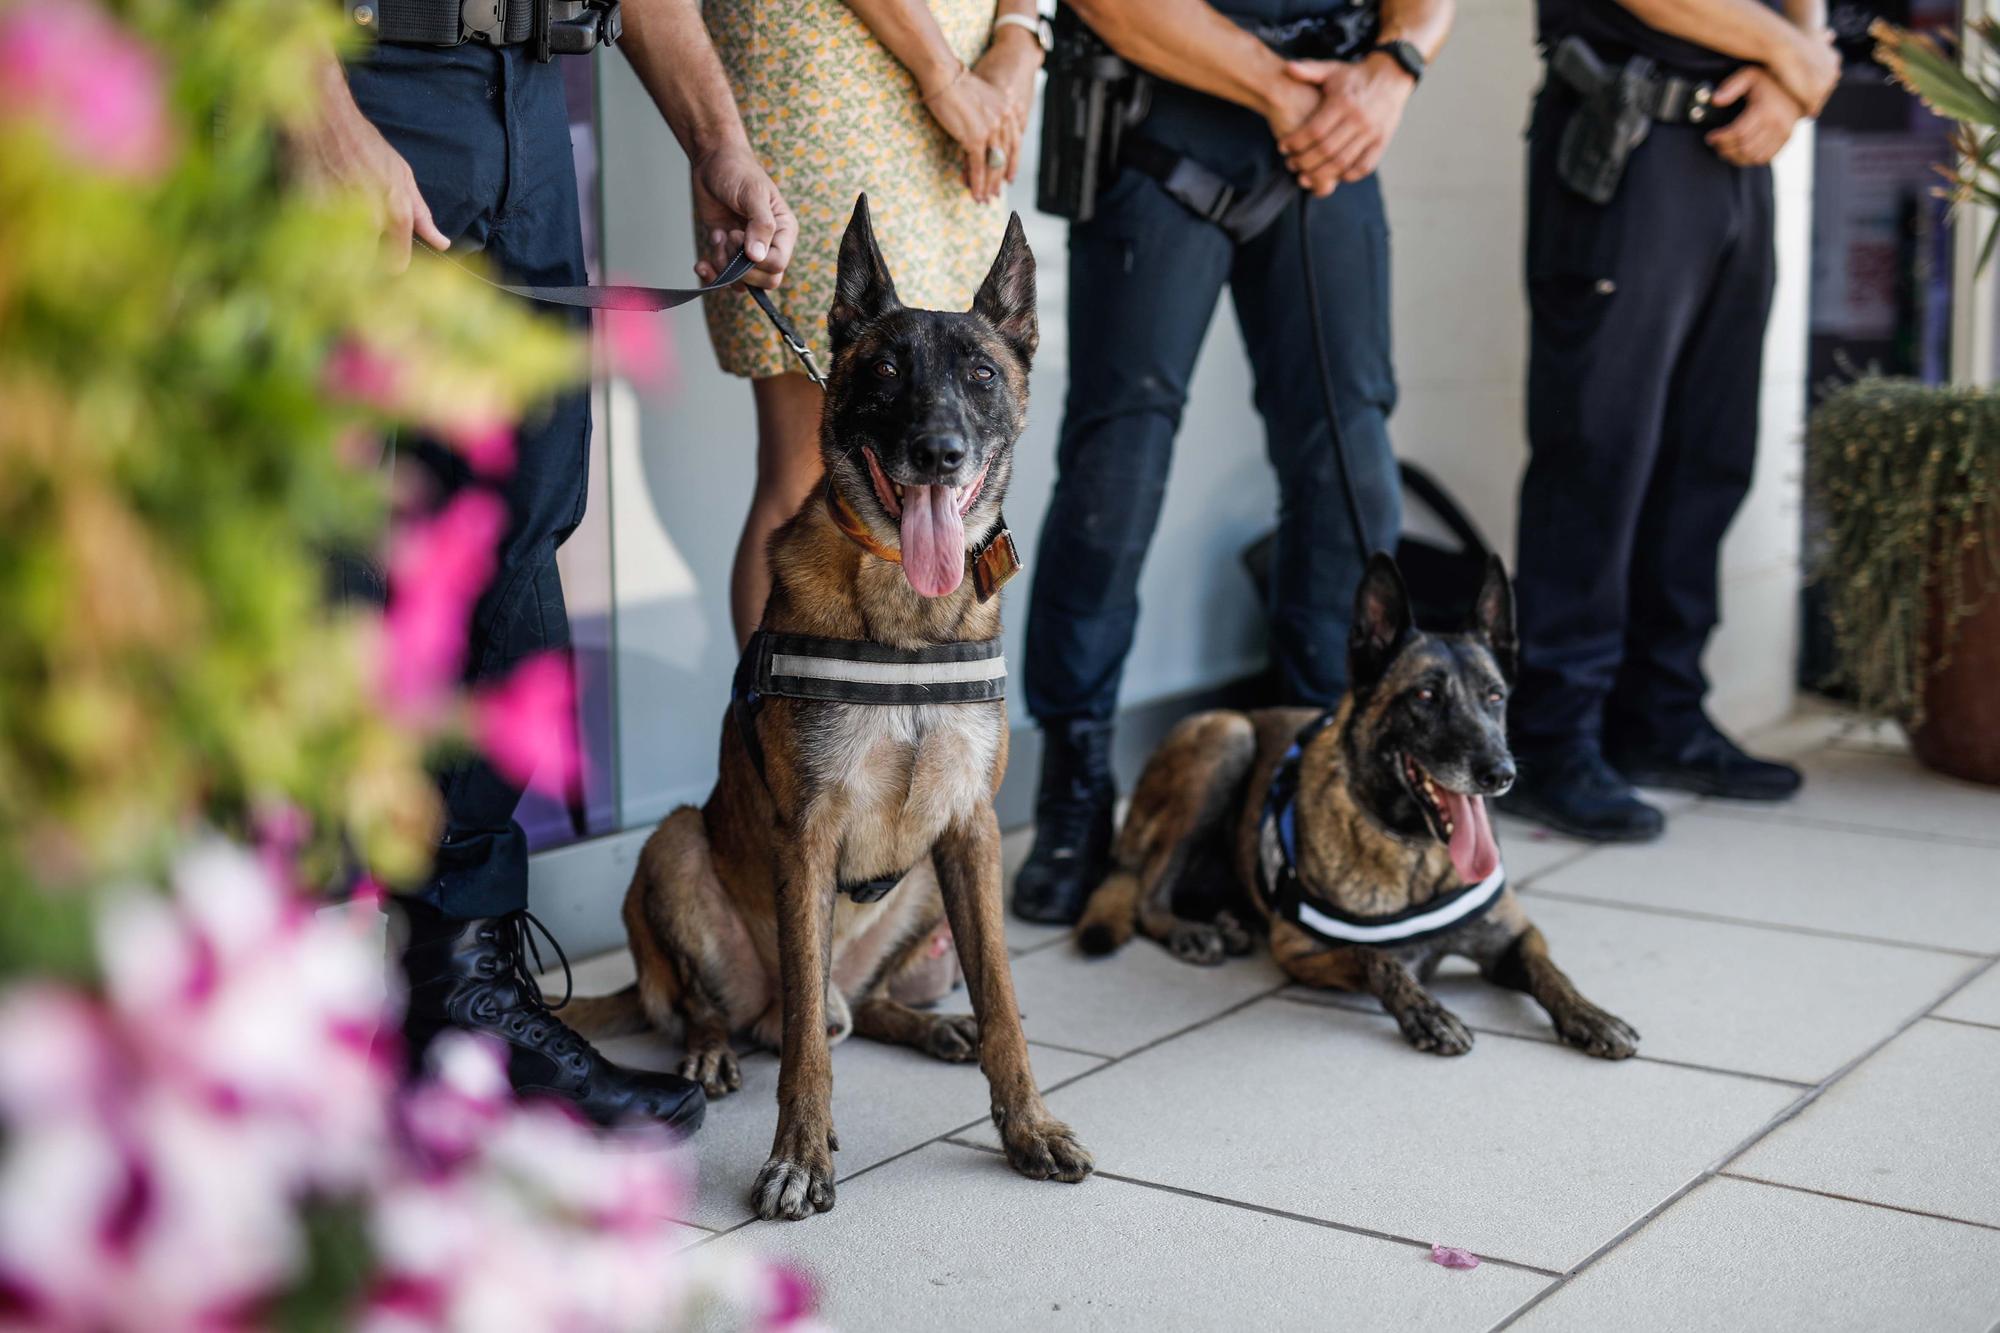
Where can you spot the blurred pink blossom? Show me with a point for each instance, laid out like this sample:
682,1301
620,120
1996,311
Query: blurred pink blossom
96,88
438,567
355,372
526,724
639,346
486,446
164,1140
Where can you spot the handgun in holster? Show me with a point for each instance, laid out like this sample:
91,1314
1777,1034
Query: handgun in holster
1093,96
1615,116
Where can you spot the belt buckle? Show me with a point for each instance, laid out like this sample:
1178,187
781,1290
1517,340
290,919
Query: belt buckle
1223,203
484,19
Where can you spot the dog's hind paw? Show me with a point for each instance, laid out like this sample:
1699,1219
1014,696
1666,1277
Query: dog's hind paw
1197,943
1434,1028
1047,1150
953,1037
788,1191
1594,1032
715,1069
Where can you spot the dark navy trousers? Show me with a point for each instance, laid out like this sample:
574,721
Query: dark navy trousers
486,133
1144,278
1646,350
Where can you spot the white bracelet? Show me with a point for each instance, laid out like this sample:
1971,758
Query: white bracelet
1032,23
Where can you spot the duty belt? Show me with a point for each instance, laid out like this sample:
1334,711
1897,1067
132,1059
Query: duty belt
552,27
1670,98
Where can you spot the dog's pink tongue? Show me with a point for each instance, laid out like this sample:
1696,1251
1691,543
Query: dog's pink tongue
933,540
1474,854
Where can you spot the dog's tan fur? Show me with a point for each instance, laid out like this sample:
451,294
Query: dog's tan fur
1194,821
733,915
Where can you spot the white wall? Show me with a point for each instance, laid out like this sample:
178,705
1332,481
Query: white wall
680,459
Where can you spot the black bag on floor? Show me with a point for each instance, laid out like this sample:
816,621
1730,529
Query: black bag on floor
1443,581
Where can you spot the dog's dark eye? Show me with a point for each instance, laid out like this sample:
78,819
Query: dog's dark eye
982,373
1425,695
885,369
1495,696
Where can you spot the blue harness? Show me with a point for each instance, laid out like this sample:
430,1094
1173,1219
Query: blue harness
1285,893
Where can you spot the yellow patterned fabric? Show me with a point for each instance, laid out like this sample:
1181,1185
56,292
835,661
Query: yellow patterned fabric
832,114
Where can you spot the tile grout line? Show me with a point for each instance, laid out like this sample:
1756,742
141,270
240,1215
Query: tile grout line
1069,1050
1963,1022
1724,811
1782,1118
1267,1211
1505,1035
1713,918
1849,1198
949,1134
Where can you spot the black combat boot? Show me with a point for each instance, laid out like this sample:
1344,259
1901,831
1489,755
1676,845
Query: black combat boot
473,974
1572,790
1072,848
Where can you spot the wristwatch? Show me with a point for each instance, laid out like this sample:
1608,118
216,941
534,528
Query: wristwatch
1407,55
1039,26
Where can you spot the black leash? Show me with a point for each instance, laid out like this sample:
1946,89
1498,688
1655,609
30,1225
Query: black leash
626,296
1327,398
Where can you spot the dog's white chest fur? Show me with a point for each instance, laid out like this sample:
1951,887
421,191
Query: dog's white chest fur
900,774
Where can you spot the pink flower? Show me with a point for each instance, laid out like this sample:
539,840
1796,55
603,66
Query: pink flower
93,85
526,724
358,373
487,447
638,346
1450,1256
438,568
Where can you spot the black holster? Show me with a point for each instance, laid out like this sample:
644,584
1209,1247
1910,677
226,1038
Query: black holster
1093,95
1095,99
1613,119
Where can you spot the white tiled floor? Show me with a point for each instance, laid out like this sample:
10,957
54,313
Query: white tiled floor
1810,1137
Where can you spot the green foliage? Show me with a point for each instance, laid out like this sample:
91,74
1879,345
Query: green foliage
1962,85
1908,478
174,469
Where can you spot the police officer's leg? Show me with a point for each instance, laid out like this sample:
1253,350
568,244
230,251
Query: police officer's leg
1655,726
1316,561
1613,292
1144,276
486,136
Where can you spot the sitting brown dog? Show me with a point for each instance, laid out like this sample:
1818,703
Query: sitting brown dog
853,811
1358,836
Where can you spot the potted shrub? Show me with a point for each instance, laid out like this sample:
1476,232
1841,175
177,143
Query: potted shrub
1907,477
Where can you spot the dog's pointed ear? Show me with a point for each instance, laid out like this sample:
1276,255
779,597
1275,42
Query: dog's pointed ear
1493,617
1381,621
862,288
1006,300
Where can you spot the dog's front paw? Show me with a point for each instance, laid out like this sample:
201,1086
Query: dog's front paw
1044,1148
953,1037
1434,1028
715,1069
789,1190
1236,941
1594,1032
1197,943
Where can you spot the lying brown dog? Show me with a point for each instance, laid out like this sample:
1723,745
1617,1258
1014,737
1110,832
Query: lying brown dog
854,806
1358,836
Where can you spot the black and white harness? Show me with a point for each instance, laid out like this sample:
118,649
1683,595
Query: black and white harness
859,671
1286,894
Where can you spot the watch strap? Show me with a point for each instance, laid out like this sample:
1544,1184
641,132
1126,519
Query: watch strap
1406,54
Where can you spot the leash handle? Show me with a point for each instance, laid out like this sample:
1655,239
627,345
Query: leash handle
627,296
